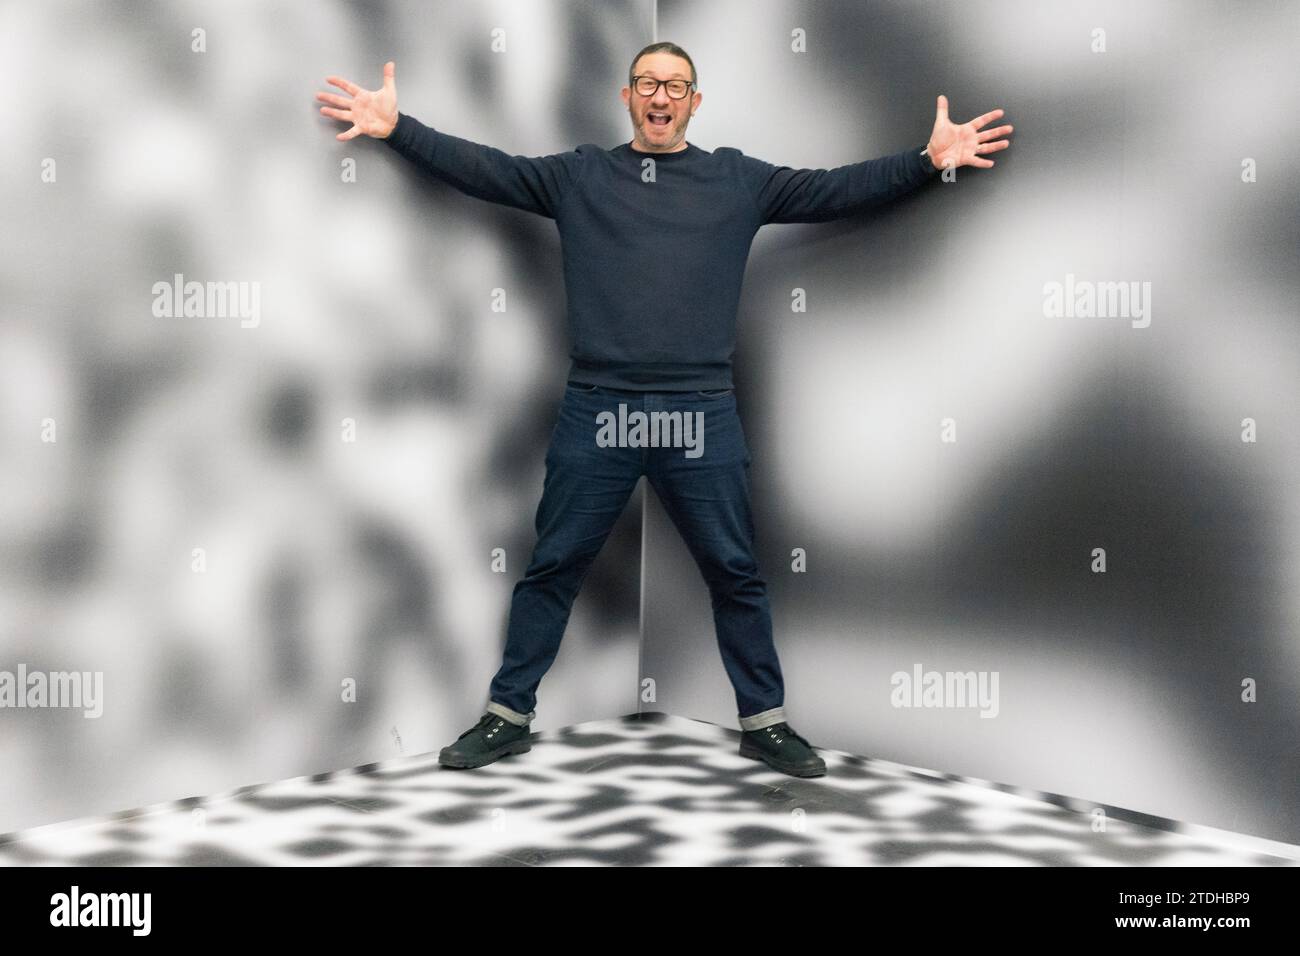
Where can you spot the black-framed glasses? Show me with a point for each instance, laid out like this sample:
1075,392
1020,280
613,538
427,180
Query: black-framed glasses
649,86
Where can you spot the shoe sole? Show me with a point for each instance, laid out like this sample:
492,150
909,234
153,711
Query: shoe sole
753,753
462,762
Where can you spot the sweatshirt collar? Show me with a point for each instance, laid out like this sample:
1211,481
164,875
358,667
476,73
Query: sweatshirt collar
690,150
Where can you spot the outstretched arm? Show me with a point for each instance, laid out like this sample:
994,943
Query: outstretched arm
533,183
783,194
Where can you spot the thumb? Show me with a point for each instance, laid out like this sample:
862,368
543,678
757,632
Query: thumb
941,109
390,83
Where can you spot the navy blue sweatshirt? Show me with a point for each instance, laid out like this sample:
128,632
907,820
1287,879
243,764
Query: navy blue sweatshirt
654,244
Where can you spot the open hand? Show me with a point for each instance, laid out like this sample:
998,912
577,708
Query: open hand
964,145
373,112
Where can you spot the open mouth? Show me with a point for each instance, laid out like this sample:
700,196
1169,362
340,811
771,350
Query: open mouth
656,118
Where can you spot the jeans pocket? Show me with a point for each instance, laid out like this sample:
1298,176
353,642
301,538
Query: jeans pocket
582,387
713,392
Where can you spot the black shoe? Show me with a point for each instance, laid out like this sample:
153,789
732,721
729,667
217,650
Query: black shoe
490,739
782,749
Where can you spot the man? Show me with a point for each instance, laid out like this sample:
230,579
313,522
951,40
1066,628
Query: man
654,237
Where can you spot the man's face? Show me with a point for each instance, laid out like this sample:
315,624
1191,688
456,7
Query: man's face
649,135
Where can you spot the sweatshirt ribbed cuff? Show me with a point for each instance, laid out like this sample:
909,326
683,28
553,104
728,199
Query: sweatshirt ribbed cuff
927,164
401,130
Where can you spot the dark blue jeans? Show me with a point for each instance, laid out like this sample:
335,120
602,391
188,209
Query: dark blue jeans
696,459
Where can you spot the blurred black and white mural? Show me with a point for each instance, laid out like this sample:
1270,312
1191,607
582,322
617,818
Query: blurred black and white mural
1024,443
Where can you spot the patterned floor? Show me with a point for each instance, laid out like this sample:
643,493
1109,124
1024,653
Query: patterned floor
654,790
